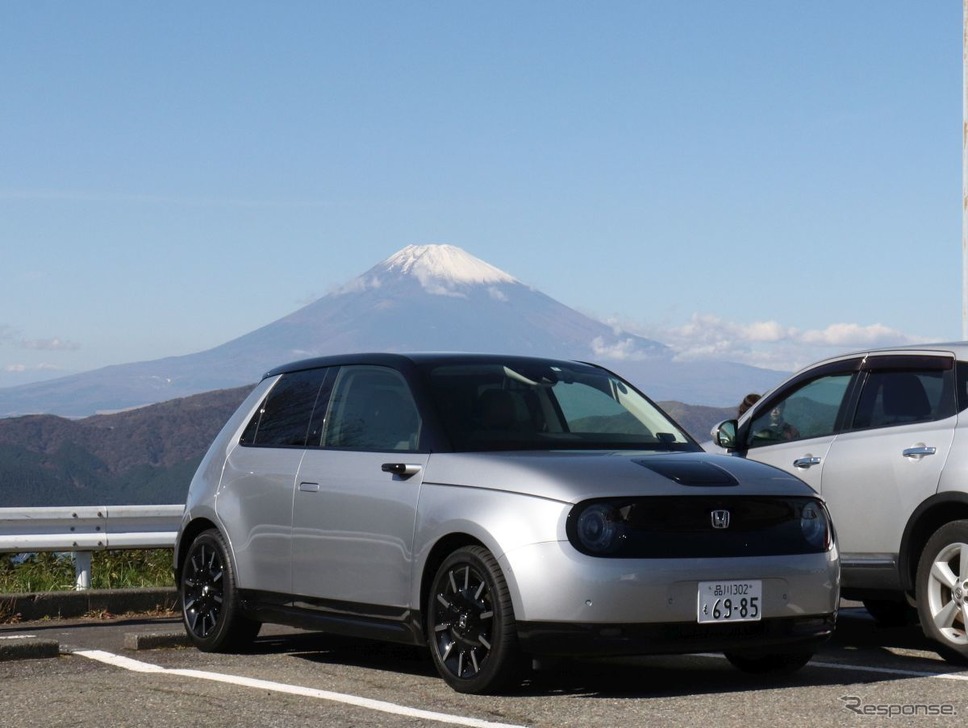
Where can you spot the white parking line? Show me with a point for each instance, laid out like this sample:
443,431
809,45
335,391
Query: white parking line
127,663
891,671
867,668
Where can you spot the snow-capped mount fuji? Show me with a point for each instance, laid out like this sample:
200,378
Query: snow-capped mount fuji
439,298
422,298
439,268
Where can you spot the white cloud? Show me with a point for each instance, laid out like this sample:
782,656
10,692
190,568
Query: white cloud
54,344
853,335
358,285
768,344
23,368
621,350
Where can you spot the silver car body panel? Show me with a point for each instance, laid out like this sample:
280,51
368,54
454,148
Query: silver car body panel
361,520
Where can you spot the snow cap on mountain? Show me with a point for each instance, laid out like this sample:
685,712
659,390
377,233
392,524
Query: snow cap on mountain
446,262
440,269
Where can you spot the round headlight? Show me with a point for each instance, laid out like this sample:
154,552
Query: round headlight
813,525
599,528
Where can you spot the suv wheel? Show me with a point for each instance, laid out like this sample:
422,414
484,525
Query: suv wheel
942,588
209,598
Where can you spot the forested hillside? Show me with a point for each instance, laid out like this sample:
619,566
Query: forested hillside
148,455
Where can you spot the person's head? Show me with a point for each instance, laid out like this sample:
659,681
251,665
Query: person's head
748,401
776,413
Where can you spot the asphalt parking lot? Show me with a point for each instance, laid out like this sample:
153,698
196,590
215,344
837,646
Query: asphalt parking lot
137,671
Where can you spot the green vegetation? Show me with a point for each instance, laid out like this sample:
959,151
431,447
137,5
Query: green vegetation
45,572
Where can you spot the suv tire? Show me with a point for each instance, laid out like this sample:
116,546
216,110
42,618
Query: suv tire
942,588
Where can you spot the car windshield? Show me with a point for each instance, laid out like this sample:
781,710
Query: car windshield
546,406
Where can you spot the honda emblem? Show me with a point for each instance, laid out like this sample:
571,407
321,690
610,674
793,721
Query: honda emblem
719,519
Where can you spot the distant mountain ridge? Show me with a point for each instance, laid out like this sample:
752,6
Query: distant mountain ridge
424,297
142,457
148,455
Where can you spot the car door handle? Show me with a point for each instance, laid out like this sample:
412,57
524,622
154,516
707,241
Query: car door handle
807,461
309,487
404,470
919,451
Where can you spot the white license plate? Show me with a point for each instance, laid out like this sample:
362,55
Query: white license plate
730,601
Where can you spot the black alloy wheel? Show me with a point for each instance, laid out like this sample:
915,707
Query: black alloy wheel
471,627
209,598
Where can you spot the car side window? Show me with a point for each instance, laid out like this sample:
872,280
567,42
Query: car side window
809,411
897,397
372,409
284,417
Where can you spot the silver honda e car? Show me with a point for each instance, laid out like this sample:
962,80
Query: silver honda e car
496,509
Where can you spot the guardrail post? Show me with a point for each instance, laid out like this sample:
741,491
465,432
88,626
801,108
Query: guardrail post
82,570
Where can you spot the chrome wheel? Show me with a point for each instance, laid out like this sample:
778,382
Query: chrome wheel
947,591
471,623
942,590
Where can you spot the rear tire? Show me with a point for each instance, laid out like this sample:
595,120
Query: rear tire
209,598
942,590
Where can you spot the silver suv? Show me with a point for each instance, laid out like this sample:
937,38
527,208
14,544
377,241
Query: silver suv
883,437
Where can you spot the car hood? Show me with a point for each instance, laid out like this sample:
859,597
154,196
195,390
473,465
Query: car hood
574,476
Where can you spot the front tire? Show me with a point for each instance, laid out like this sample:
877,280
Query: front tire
942,590
210,600
470,623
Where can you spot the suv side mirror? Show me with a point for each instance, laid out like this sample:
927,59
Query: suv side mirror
725,434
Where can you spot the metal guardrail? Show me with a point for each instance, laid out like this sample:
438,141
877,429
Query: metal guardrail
85,529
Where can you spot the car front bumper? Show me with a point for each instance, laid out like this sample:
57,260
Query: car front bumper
767,636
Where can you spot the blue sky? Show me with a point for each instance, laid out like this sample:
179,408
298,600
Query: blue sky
761,181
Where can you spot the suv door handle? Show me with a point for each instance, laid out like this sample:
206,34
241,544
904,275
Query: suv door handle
808,461
919,451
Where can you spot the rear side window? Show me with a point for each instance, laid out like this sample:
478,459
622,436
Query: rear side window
284,419
899,397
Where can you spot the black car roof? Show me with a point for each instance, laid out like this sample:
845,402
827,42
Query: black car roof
396,360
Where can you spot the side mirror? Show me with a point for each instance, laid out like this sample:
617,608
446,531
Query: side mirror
724,434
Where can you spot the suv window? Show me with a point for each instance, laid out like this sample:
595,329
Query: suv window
372,409
810,411
894,397
283,419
